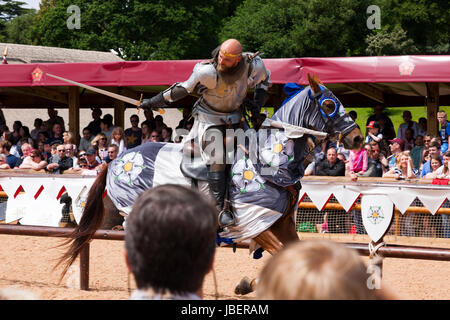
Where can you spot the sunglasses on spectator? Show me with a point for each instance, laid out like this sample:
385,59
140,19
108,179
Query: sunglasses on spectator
155,136
61,150
103,139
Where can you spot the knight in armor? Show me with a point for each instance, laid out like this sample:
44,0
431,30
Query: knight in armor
222,83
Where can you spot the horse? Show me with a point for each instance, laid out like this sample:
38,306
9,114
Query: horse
314,109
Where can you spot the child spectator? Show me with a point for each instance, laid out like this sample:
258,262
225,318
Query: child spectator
358,161
118,139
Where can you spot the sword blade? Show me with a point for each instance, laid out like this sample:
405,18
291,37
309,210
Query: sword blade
97,90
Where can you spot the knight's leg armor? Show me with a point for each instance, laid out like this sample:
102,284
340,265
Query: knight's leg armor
218,185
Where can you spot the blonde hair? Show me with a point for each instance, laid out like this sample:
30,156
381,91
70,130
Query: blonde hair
398,162
97,138
71,137
118,130
315,270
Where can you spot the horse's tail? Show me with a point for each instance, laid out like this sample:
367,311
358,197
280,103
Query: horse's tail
90,222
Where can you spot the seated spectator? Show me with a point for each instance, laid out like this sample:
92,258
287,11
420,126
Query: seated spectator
3,163
409,139
92,163
434,150
106,124
64,162
53,155
85,141
443,171
331,166
166,135
435,164
403,168
118,139
26,151
11,160
155,136
43,137
37,128
149,119
396,147
15,132
377,162
100,144
408,123
373,132
24,136
317,270
68,137
159,123
134,134
71,151
14,150
417,152
56,135
146,133
113,152
168,260
34,161
444,132
358,161
422,127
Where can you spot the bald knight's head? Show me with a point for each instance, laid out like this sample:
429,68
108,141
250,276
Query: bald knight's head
230,54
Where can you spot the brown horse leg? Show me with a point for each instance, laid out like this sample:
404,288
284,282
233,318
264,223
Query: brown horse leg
272,240
112,216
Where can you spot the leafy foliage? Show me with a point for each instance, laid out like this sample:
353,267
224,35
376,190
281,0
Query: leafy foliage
190,29
138,29
10,9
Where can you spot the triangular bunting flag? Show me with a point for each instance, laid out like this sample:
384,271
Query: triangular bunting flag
74,188
402,198
345,197
30,186
318,195
432,199
9,186
52,187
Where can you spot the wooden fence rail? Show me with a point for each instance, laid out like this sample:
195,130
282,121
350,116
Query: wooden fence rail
388,251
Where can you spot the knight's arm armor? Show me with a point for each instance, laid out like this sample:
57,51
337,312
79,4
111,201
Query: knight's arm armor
259,78
203,77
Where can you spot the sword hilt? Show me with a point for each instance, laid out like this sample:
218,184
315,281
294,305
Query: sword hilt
140,101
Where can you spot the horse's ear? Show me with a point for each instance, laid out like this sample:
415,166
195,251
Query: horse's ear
314,83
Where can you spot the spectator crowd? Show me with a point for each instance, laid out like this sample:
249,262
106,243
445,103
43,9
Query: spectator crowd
411,153
50,148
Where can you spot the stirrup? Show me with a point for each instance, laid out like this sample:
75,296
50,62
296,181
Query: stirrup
226,218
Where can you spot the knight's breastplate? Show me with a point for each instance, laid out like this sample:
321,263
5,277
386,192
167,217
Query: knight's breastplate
227,96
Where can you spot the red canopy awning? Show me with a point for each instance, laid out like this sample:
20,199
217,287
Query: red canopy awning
393,69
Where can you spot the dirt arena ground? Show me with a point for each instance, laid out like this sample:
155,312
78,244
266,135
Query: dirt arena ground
27,264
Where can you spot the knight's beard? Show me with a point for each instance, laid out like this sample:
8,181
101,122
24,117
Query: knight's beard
231,74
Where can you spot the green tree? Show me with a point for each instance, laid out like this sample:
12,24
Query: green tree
385,42
425,22
294,28
9,9
136,29
18,30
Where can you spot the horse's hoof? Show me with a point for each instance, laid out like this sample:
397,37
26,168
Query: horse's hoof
244,286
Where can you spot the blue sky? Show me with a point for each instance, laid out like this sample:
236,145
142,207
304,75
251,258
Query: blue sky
32,3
